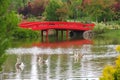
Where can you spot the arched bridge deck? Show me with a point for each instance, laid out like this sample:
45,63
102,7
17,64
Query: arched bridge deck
57,25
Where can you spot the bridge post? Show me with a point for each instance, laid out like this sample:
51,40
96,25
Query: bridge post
62,34
42,35
67,32
56,34
46,35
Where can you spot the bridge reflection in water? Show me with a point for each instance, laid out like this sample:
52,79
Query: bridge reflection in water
47,61
62,44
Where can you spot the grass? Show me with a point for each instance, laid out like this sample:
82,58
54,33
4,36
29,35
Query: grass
111,34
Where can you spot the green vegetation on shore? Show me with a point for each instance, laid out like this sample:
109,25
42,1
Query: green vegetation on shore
108,29
111,34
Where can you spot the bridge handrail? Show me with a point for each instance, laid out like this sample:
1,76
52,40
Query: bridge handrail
57,25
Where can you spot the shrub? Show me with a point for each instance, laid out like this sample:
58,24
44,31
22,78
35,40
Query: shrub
112,72
24,33
100,28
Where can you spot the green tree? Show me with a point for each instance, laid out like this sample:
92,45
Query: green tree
15,4
74,8
99,10
50,11
63,12
3,40
8,23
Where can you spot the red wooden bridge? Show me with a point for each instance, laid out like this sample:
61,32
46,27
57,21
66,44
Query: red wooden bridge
45,26
57,25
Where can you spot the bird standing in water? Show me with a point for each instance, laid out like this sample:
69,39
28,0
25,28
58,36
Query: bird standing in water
41,61
19,65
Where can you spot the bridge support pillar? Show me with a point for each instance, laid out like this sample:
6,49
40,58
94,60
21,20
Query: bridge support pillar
56,34
42,35
46,35
67,32
62,34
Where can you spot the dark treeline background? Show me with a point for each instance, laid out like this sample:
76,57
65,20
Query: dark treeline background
61,10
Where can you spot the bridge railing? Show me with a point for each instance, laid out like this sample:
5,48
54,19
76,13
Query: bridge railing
56,25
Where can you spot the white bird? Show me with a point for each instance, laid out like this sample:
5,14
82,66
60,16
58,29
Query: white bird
19,65
41,61
77,55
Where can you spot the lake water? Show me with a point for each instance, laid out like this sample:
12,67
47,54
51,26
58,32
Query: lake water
62,60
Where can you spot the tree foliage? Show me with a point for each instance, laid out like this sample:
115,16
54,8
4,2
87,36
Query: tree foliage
63,12
63,9
3,40
116,9
74,9
3,7
99,9
50,11
35,8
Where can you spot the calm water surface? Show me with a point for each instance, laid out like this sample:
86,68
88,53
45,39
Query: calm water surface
65,60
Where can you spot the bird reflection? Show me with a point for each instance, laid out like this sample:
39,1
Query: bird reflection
19,65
